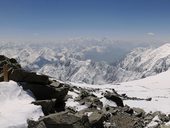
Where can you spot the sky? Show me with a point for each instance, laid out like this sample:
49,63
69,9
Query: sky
60,19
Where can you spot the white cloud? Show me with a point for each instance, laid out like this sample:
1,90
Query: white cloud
151,34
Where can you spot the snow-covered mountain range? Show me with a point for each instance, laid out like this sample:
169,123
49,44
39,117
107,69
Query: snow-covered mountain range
87,60
143,62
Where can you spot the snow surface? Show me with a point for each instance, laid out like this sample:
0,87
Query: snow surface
16,107
157,87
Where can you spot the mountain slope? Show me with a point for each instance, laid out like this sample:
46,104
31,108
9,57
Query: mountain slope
143,62
156,87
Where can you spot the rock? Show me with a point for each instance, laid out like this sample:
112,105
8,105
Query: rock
34,124
2,58
112,110
109,125
96,119
86,111
148,99
163,117
84,94
60,105
48,106
56,84
165,126
156,113
114,98
128,110
12,60
155,123
149,117
41,92
122,120
44,92
64,120
89,99
61,92
93,102
20,75
139,112
1,77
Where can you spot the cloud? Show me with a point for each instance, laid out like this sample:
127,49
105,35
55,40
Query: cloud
151,34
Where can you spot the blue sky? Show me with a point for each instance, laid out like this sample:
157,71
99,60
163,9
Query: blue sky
54,19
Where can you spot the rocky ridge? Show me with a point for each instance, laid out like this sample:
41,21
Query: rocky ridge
68,106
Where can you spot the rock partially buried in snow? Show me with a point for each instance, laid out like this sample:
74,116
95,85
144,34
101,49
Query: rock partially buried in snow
48,106
114,98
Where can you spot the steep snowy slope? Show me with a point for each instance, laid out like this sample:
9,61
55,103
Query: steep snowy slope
143,62
12,95
156,87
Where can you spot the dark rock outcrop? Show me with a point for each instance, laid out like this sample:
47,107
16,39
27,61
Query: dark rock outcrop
62,120
114,98
48,106
96,119
43,92
20,75
122,120
33,124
